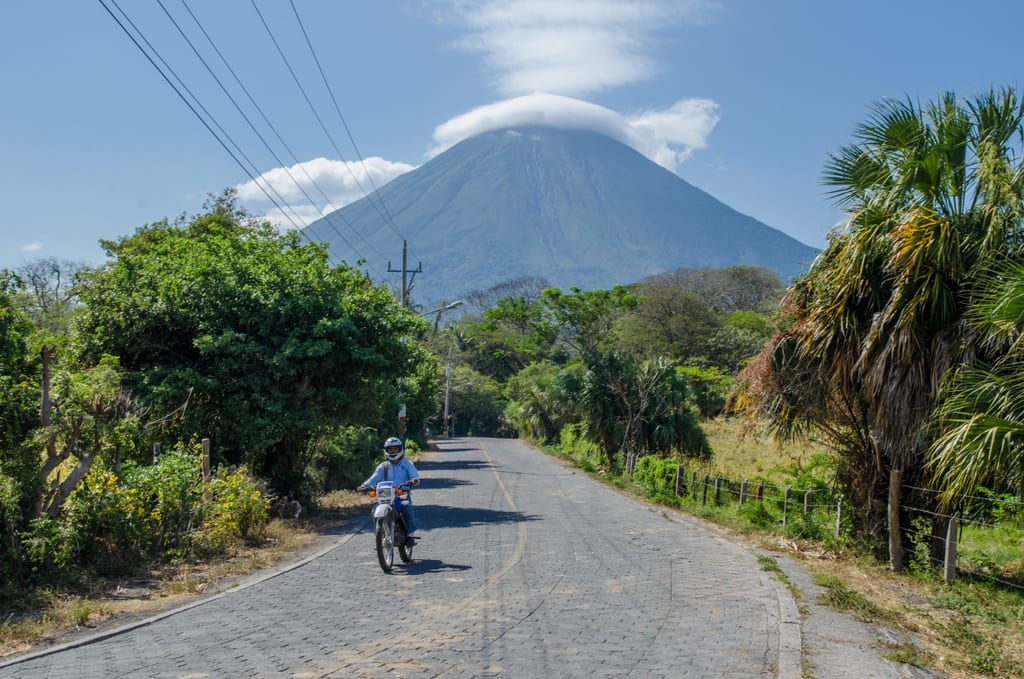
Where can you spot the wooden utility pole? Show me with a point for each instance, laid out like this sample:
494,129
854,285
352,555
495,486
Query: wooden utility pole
406,283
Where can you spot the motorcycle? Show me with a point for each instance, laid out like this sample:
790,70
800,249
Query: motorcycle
389,526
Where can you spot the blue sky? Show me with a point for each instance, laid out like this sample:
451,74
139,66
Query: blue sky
744,99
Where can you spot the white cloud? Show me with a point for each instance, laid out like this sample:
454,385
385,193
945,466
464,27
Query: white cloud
570,47
316,187
33,247
668,137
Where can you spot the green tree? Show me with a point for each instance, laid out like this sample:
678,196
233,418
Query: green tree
248,336
636,407
19,390
933,194
18,368
543,398
50,295
979,421
475,403
701,317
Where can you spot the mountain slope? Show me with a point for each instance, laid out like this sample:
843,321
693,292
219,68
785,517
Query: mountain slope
574,207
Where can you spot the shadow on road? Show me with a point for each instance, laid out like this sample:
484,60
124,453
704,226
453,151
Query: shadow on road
442,482
419,566
438,516
434,465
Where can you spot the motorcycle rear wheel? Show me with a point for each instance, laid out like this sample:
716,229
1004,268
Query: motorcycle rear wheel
385,539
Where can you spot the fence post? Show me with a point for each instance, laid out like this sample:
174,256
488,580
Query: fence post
807,502
718,490
693,484
839,513
949,568
785,505
206,470
679,477
760,491
704,495
156,453
743,491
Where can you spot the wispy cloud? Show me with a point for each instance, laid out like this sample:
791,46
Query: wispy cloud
571,47
33,247
316,187
668,137
542,54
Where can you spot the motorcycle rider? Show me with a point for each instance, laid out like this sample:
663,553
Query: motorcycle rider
398,469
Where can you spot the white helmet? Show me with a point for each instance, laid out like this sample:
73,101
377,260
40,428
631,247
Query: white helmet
394,449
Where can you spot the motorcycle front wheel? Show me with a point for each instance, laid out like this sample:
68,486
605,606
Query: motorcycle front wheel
385,538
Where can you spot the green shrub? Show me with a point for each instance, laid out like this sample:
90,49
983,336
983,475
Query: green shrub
238,510
48,548
343,457
657,476
110,522
169,494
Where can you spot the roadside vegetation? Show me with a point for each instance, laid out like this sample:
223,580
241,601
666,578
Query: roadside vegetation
178,405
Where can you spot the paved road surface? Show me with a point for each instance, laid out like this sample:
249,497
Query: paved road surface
525,568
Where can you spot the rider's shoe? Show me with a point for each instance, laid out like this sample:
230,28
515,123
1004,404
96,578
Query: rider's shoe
410,541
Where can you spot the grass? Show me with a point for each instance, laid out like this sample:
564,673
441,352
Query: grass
770,565
740,453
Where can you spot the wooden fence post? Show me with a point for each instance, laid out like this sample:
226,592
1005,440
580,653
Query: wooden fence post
949,567
895,540
743,491
718,490
785,505
760,491
156,453
807,502
693,484
206,471
679,477
839,513
704,495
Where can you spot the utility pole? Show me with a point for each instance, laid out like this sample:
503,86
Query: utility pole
447,389
406,286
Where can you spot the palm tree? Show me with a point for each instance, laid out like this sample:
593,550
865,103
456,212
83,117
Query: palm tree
980,416
932,194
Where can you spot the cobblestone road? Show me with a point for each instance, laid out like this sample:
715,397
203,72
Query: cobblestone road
525,568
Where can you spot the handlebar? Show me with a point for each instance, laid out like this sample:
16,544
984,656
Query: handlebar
408,485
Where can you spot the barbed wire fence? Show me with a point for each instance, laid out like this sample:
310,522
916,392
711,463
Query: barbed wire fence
812,504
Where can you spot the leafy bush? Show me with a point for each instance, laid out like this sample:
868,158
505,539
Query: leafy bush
10,514
169,494
586,454
343,457
237,511
109,523
657,476
48,548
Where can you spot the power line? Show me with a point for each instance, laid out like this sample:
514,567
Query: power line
277,134
189,103
337,108
245,117
316,115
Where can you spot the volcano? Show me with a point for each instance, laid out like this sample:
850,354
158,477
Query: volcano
573,207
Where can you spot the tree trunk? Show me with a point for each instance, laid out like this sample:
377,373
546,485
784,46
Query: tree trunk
64,489
46,406
896,554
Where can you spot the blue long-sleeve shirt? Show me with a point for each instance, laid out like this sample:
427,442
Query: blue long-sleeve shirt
399,472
